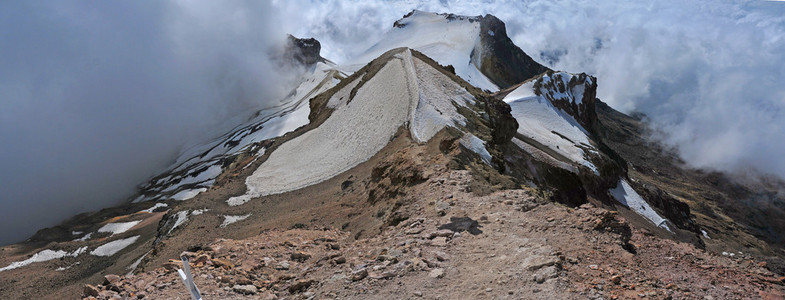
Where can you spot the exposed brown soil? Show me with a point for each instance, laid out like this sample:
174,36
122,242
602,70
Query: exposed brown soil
454,244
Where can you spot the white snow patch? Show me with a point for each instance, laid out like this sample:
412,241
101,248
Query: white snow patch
199,211
85,237
705,234
354,133
60,269
136,263
448,42
405,90
476,145
182,216
437,98
233,219
42,256
193,177
113,247
539,120
76,232
156,206
626,195
117,228
188,194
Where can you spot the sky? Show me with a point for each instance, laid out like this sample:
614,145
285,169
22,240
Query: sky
96,97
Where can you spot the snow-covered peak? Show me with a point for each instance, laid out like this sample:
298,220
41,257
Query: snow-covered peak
573,93
446,38
367,110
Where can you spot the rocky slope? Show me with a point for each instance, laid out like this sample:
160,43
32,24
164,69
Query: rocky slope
396,176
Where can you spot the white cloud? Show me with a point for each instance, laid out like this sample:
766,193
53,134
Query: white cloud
708,73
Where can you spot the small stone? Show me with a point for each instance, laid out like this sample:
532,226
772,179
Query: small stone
670,286
225,263
536,262
111,279
441,233
300,256
441,256
417,293
340,259
359,275
284,265
90,290
439,241
616,279
247,289
762,264
436,273
268,296
593,267
140,295
300,286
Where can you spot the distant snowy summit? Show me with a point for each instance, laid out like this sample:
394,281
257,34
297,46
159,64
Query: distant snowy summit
477,48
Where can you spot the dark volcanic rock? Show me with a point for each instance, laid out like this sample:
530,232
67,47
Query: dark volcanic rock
499,58
304,51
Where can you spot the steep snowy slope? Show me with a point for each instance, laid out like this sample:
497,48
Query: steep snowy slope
553,112
366,113
197,168
539,120
476,47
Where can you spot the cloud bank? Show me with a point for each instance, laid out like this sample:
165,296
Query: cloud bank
95,97
709,74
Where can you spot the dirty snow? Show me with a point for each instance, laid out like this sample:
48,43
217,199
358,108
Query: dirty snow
136,263
113,247
187,176
562,80
548,125
84,238
354,133
181,216
117,228
199,211
188,194
228,220
405,90
626,195
437,100
476,145
42,256
156,206
447,42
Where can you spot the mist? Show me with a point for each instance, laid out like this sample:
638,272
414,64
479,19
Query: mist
96,97
708,74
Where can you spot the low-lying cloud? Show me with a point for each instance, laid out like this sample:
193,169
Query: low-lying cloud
709,74
95,97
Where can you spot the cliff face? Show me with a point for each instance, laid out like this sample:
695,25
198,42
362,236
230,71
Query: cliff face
499,58
305,51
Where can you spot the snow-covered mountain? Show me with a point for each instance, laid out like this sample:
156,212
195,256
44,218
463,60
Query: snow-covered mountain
436,90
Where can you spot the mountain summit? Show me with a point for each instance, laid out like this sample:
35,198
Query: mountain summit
443,162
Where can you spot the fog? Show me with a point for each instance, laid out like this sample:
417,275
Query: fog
96,97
